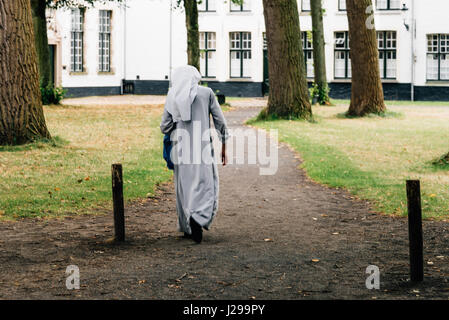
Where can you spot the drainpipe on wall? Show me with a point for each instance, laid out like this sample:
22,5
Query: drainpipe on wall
413,35
124,48
171,40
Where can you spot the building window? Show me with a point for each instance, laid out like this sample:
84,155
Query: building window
387,54
341,5
245,6
206,5
240,52
208,54
76,43
438,57
388,4
307,47
342,58
305,5
104,44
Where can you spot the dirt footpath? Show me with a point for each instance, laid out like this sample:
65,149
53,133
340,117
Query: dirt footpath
275,237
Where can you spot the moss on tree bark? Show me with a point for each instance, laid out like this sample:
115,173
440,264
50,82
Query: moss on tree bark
319,54
41,41
193,41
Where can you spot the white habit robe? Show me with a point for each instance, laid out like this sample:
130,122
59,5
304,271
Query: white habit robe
187,110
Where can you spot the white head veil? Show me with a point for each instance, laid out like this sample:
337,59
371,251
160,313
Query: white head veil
182,93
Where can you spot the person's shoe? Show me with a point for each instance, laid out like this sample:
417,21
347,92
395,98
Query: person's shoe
187,236
197,231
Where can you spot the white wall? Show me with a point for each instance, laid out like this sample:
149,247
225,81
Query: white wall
147,35
91,76
431,17
223,22
148,39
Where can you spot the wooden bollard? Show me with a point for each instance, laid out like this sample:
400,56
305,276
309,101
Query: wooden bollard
119,206
415,230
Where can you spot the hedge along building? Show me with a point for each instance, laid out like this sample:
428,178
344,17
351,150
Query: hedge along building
116,49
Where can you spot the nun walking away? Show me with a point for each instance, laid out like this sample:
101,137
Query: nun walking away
186,118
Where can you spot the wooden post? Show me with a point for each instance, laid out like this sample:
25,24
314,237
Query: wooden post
415,230
119,207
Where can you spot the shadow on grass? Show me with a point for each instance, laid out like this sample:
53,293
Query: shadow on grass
406,103
55,142
263,116
386,115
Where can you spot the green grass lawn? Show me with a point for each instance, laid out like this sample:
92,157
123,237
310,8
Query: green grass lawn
74,175
372,157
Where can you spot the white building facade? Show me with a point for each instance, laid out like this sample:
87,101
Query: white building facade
133,47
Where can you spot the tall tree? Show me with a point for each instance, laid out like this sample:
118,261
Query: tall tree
367,93
41,41
193,40
289,94
21,114
319,54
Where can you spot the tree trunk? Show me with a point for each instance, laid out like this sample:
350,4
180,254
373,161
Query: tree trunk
41,41
21,114
367,93
289,94
193,38
319,54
